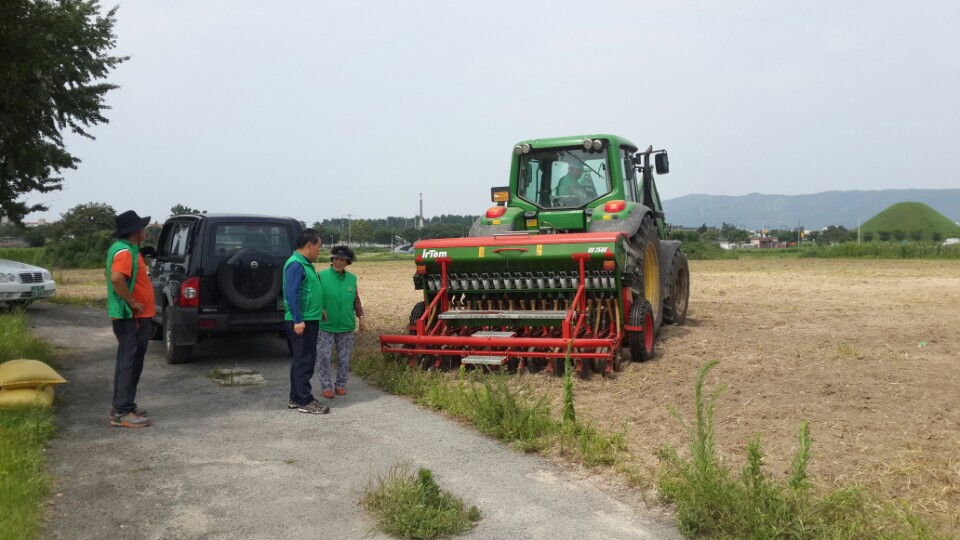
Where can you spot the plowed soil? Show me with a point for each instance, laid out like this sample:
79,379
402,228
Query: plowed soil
866,351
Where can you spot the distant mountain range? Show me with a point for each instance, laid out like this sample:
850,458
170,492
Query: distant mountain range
814,211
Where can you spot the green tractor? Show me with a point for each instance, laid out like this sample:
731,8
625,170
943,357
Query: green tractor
573,260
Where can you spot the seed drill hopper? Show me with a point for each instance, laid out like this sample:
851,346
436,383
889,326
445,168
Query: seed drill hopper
572,260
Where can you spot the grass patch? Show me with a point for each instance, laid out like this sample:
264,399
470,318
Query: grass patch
16,341
410,505
500,405
23,433
847,350
713,502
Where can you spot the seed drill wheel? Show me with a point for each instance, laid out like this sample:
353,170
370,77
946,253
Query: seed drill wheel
642,344
415,315
423,362
618,362
534,365
678,291
647,245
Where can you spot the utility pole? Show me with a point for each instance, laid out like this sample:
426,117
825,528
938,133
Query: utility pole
348,227
421,212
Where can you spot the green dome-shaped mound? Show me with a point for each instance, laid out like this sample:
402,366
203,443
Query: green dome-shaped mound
911,220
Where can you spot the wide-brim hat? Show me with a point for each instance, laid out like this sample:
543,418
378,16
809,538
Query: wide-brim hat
343,252
129,222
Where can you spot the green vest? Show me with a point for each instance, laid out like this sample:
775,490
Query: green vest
311,300
117,307
339,292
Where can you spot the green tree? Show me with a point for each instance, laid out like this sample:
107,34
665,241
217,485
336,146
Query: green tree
899,235
916,235
53,59
710,235
37,236
84,220
361,231
868,236
733,233
179,210
884,236
937,237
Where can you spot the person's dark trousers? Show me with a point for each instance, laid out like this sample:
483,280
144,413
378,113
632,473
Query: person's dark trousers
304,357
132,338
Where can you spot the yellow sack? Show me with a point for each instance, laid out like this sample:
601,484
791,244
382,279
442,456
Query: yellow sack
26,397
27,374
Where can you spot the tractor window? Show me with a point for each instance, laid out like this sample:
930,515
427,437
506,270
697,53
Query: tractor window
563,178
630,174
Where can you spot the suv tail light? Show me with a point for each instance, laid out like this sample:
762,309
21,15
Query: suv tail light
190,292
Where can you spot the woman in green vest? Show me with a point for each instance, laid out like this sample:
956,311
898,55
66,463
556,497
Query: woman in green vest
341,303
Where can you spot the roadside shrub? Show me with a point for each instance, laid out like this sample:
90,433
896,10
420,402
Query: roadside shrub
34,256
706,251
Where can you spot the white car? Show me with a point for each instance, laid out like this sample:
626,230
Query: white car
22,283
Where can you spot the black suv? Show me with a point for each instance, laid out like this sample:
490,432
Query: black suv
217,274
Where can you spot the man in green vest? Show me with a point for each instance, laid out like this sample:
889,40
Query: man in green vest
341,302
130,303
304,310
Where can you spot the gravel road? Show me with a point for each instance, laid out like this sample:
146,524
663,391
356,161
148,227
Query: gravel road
233,462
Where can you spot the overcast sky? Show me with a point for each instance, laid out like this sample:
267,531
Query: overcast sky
319,109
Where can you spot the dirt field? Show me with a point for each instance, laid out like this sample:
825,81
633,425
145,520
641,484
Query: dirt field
863,350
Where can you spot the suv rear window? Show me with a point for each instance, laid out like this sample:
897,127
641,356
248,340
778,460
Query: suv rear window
227,238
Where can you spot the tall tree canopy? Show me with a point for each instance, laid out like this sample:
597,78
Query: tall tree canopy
53,55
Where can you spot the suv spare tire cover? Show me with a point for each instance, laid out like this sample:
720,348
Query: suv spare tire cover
250,279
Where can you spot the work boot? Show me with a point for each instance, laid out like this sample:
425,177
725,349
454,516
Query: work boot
328,393
341,391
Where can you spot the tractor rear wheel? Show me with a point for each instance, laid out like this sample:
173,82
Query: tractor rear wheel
642,344
647,245
678,291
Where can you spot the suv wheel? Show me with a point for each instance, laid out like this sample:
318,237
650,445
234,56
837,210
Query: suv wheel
250,279
176,354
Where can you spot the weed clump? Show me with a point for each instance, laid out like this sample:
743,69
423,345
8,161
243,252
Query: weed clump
714,503
410,505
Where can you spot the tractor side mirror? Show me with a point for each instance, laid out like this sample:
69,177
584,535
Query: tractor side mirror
662,163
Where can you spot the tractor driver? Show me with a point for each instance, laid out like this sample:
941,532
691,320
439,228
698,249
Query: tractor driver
575,183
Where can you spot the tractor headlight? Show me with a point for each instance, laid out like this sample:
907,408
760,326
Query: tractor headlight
587,144
597,144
